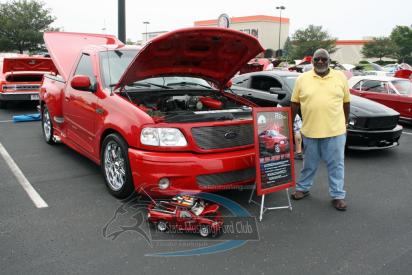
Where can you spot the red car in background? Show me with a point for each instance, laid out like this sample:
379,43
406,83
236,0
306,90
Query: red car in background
393,92
21,77
273,141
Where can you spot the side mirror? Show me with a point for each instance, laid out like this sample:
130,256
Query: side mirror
228,84
81,82
277,90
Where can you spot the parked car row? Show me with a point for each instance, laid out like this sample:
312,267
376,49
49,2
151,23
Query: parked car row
371,125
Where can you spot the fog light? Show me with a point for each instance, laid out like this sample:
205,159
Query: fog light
164,183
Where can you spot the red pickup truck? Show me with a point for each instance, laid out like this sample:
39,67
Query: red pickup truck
198,216
156,117
273,141
21,77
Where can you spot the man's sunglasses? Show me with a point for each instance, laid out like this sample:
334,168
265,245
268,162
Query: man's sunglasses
317,59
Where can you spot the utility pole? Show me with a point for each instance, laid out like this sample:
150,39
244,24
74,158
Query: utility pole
280,8
121,20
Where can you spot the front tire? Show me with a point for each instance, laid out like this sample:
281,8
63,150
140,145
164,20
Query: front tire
115,166
204,231
47,126
277,149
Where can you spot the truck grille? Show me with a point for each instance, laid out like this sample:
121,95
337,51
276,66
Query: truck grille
21,87
381,123
218,137
211,180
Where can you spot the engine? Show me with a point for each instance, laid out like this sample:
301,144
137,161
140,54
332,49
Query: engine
187,107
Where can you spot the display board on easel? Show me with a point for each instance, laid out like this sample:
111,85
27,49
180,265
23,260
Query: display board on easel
274,153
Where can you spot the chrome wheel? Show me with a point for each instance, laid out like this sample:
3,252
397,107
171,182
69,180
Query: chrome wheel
277,149
162,226
114,165
204,231
47,125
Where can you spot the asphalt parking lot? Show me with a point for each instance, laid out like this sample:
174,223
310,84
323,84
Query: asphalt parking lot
373,237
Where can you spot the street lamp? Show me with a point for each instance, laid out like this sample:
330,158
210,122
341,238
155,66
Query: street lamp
280,8
146,23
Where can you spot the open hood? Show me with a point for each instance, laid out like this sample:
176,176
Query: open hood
28,64
64,47
215,54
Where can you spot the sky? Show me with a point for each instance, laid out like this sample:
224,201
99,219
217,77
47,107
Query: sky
344,20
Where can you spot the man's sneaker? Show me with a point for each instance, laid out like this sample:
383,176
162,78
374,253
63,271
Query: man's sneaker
299,156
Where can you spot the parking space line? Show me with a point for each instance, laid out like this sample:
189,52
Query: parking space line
34,196
4,121
407,133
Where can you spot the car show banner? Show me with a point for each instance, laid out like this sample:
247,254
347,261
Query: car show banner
274,149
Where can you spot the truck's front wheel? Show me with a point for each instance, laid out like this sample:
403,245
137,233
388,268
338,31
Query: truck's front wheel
115,166
47,126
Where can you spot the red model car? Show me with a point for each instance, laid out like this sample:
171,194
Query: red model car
395,93
21,77
271,140
156,117
186,213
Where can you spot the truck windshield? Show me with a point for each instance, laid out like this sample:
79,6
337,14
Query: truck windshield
113,64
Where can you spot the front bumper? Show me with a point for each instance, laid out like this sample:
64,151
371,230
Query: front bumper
373,140
19,96
188,172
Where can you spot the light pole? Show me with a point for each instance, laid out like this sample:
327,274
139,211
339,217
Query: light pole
146,23
280,8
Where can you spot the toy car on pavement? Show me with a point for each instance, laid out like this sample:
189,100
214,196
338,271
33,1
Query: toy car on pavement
186,213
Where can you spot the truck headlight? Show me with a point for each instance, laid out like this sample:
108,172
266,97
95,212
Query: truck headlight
162,137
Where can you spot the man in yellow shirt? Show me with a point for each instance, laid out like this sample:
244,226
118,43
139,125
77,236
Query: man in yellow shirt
322,96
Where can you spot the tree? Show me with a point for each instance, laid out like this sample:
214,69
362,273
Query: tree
401,36
307,41
22,24
288,48
379,47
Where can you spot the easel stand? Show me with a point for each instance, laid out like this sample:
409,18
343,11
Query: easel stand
263,209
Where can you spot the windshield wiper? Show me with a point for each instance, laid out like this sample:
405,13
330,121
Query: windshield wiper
186,83
147,84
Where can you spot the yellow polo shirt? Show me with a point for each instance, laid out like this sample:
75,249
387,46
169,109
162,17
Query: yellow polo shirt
321,103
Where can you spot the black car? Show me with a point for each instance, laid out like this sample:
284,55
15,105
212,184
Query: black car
371,125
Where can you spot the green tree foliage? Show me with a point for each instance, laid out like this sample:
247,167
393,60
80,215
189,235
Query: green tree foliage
22,24
379,47
401,36
287,48
307,41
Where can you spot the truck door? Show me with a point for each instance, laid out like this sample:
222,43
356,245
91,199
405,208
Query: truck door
79,108
186,221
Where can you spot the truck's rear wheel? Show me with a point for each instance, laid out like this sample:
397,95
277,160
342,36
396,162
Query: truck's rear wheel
115,166
161,226
47,126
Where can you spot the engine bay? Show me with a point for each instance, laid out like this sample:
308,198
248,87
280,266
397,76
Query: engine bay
189,106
